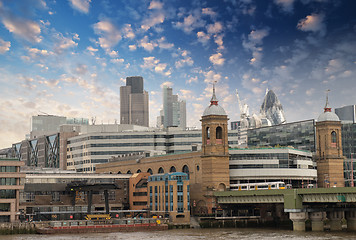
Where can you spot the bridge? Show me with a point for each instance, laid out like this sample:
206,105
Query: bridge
334,206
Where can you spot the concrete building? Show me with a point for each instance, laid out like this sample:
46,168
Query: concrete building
11,184
174,110
169,195
134,102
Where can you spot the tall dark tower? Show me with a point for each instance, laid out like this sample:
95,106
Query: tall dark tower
215,149
134,102
329,156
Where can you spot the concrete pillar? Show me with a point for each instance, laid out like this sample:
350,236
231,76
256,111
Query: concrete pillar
351,220
335,220
317,221
298,220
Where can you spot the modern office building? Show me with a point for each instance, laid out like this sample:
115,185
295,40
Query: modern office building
99,143
10,186
288,165
174,110
346,114
134,102
348,136
50,124
52,195
169,195
299,135
272,109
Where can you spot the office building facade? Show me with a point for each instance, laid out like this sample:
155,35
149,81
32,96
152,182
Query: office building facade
174,110
169,193
346,114
10,185
299,135
288,165
134,107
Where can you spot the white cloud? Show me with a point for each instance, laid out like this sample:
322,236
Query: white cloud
192,79
4,46
92,50
203,37
26,29
286,5
64,43
209,11
35,53
186,59
214,28
313,23
117,60
217,59
128,32
154,64
167,84
109,34
155,5
211,77
153,20
255,38
80,5
191,22
132,47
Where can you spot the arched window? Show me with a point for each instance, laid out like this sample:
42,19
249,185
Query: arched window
208,132
128,172
119,172
185,169
138,171
219,135
160,170
150,171
172,169
333,139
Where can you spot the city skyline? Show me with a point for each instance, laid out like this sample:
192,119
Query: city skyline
70,58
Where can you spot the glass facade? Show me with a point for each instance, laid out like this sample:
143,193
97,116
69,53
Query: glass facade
300,135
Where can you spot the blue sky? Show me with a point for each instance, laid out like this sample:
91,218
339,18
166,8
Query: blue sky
70,57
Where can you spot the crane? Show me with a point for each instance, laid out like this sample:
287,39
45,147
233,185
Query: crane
244,110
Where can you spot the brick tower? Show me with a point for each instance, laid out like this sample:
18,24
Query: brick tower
215,150
329,155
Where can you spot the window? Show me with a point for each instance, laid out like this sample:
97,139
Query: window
172,169
208,134
160,170
218,133
333,139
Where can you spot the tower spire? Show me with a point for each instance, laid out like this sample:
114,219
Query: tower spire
327,107
214,100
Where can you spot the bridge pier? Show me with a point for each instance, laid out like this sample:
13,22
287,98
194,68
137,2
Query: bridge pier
298,219
351,220
335,218
317,221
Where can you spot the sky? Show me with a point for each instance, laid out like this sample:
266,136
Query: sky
70,57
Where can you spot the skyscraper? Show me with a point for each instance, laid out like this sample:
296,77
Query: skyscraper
134,102
347,114
174,110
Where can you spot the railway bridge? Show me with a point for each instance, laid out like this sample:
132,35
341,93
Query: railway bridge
335,206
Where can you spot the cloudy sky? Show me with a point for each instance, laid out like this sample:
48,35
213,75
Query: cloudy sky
70,57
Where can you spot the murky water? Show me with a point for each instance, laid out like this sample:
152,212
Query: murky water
192,234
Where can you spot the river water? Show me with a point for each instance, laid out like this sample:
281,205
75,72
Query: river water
193,234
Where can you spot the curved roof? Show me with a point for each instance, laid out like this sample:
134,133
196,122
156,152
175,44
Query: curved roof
214,110
328,116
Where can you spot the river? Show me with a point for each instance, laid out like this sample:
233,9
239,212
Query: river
193,234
